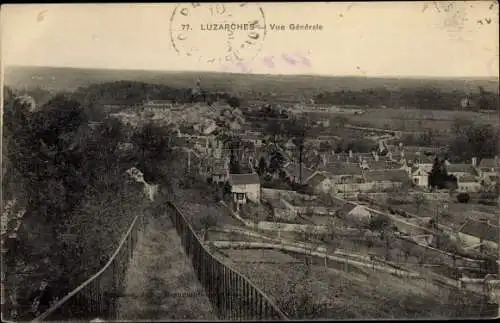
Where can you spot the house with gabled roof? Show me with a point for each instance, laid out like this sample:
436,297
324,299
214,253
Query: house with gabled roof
245,187
488,169
462,169
320,183
220,171
341,172
382,164
473,233
385,179
468,183
292,173
387,175
420,174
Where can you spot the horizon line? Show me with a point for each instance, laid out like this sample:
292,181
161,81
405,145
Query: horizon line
252,73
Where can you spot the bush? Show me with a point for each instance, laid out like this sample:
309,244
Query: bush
379,222
463,197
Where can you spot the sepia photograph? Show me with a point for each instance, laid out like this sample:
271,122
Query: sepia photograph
224,161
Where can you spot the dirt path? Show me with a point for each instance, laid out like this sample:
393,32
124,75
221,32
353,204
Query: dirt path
160,282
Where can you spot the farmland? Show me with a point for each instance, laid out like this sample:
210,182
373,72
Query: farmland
419,120
338,294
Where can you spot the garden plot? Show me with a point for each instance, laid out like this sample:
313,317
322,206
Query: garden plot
259,256
312,291
214,235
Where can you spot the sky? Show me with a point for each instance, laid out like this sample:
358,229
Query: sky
433,39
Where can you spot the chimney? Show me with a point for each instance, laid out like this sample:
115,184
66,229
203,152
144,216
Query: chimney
350,153
474,161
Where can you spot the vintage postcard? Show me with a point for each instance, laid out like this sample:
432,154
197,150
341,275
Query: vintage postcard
250,161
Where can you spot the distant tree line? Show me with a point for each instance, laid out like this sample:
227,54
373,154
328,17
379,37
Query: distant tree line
415,97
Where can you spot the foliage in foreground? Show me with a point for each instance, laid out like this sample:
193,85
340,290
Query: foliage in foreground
70,175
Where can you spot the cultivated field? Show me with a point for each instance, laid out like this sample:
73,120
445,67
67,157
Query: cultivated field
419,120
333,293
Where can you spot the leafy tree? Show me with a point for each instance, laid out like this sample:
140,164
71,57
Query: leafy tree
275,129
227,189
276,162
463,197
379,223
439,178
154,143
296,129
325,146
474,140
234,102
207,222
234,165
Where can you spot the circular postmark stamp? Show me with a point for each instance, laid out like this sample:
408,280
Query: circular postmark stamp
218,33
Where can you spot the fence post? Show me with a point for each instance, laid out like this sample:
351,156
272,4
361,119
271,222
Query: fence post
253,303
241,301
259,308
230,294
246,299
224,291
218,282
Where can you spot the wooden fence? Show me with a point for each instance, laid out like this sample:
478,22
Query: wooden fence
94,298
232,295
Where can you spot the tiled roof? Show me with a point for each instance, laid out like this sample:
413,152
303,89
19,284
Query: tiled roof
382,164
467,179
294,170
345,209
461,168
489,163
242,179
341,169
393,175
423,169
421,158
480,229
316,179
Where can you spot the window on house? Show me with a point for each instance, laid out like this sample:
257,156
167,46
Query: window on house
240,196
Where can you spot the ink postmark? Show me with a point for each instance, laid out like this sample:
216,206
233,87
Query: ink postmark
218,33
